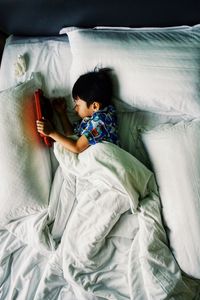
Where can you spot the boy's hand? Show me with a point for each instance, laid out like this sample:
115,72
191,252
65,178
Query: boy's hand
59,104
44,127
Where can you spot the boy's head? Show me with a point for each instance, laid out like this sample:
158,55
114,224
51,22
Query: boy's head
92,91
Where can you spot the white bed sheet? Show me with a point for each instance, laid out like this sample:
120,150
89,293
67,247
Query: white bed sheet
28,274
49,56
36,272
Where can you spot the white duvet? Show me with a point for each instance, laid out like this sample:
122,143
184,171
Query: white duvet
105,250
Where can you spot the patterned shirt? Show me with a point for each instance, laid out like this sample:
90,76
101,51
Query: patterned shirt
102,126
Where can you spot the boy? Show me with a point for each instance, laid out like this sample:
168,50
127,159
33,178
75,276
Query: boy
92,93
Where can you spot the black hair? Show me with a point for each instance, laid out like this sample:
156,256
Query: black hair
94,86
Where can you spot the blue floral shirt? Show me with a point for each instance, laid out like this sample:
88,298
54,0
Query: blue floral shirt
102,126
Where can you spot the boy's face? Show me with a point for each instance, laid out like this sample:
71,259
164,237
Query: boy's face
82,109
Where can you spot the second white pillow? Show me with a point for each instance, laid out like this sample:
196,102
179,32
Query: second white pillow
174,153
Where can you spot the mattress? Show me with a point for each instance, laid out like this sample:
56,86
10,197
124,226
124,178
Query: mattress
89,240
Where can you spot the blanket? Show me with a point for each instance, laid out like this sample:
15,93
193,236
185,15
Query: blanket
102,236
116,266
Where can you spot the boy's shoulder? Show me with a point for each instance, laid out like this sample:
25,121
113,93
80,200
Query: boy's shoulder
107,110
106,116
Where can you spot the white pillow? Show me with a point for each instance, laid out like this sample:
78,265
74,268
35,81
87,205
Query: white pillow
174,152
130,126
24,161
154,69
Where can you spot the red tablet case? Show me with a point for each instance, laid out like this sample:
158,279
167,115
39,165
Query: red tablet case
40,102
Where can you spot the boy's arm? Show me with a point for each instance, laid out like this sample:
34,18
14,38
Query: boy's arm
77,146
71,145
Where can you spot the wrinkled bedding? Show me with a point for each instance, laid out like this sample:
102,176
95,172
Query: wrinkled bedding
93,241
101,235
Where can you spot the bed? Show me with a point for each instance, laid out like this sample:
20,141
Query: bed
111,222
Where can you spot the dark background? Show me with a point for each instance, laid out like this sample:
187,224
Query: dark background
47,17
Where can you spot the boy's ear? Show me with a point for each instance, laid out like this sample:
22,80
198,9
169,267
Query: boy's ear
96,106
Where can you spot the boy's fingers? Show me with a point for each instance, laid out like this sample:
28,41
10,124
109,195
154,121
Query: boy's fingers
40,122
40,126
